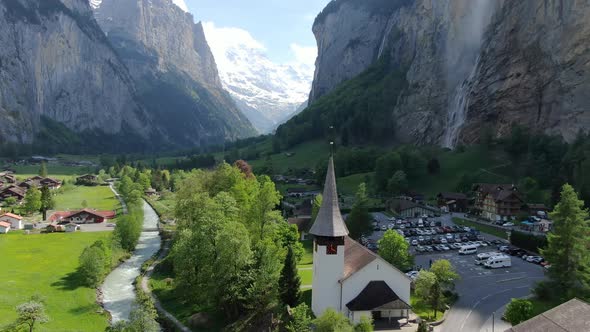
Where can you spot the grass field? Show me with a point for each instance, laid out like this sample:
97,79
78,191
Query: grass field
57,171
46,264
482,228
423,310
99,197
305,155
305,265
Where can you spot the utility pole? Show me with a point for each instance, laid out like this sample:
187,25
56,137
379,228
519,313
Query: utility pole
493,320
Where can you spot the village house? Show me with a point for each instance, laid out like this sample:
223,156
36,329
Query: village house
302,224
348,277
12,191
87,180
410,209
150,192
84,216
15,221
52,228
571,316
498,202
4,227
453,202
71,227
50,183
39,182
7,178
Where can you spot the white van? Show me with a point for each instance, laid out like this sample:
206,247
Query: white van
497,262
468,250
420,223
483,257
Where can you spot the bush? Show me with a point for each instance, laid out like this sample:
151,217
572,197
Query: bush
365,325
528,241
95,262
518,310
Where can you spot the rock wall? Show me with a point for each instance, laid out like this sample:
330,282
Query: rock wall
56,62
512,61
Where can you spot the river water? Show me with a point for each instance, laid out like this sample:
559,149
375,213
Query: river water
118,290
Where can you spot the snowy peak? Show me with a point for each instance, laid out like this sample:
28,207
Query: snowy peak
267,92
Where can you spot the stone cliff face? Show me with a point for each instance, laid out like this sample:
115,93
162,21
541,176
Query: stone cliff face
469,63
56,63
142,72
168,53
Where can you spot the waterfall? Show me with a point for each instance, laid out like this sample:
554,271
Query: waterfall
457,111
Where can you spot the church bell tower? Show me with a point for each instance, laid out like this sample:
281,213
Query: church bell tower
329,232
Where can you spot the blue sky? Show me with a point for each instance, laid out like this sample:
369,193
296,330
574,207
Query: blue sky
281,26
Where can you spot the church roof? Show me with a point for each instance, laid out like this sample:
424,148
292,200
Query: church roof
377,294
329,221
356,256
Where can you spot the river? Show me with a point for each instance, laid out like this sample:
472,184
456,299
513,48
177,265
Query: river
118,290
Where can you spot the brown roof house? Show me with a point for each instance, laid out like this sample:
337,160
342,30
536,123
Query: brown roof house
346,275
572,316
498,202
12,191
302,224
87,180
453,202
410,209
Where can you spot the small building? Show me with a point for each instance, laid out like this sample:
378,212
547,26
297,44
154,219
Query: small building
52,228
50,183
71,227
4,227
410,209
15,221
84,216
302,224
304,209
537,209
571,316
150,192
454,202
12,191
87,180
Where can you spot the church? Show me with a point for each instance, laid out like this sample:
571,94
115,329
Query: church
347,276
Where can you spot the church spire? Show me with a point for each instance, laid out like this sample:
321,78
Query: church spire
329,222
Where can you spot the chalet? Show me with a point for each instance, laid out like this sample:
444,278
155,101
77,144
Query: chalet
15,221
28,184
498,202
409,209
4,227
87,180
50,183
304,209
84,216
571,316
12,191
453,202
536,209
347,277
7,178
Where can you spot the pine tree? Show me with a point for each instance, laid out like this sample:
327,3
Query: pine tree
43,169
359,220
567,244
289,281
47,202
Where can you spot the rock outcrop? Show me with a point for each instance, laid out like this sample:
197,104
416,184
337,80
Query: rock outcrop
469,64
55,62
113,71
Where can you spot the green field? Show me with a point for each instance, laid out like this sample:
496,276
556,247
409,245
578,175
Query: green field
305,155
423,310
46,264
99,197
305,265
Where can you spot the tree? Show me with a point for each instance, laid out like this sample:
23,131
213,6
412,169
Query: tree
385,167
31,313
359,219
144,181
568,243
422,326
433,166
32,200
93,263
142,320
315,208
47,201
43,169
394,249
84,204
398,183
429,291
289,281
445,273
300,319
10,201
332,321
518,310
364,325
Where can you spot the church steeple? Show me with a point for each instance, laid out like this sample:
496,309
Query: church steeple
329,222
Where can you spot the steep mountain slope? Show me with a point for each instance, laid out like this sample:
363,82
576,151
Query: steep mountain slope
169,57
57,66
465,65
267,92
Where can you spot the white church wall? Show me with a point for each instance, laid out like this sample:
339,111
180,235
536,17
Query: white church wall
375,271
327,271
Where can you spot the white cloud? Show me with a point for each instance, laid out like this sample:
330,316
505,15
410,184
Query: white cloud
228,37
304,54
181,4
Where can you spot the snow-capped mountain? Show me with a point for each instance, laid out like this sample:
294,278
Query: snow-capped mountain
267,93
180,3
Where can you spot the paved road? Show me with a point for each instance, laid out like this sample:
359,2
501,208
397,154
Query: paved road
483,292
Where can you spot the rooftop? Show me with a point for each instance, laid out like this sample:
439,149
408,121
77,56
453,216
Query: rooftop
571,316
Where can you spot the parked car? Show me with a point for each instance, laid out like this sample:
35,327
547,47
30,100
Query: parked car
508,224
414,242
413,274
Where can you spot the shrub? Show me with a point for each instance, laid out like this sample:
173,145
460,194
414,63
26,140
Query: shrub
518,310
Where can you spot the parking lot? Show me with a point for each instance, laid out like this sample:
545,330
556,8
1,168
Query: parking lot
482,292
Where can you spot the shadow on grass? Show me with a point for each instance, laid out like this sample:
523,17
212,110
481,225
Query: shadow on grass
71,281
85,309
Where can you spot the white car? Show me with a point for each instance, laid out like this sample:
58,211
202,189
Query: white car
443,240
449,236
413,274
390,226
383,227
414,242
508,224
420,238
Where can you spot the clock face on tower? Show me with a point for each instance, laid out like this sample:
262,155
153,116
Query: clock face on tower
331,249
